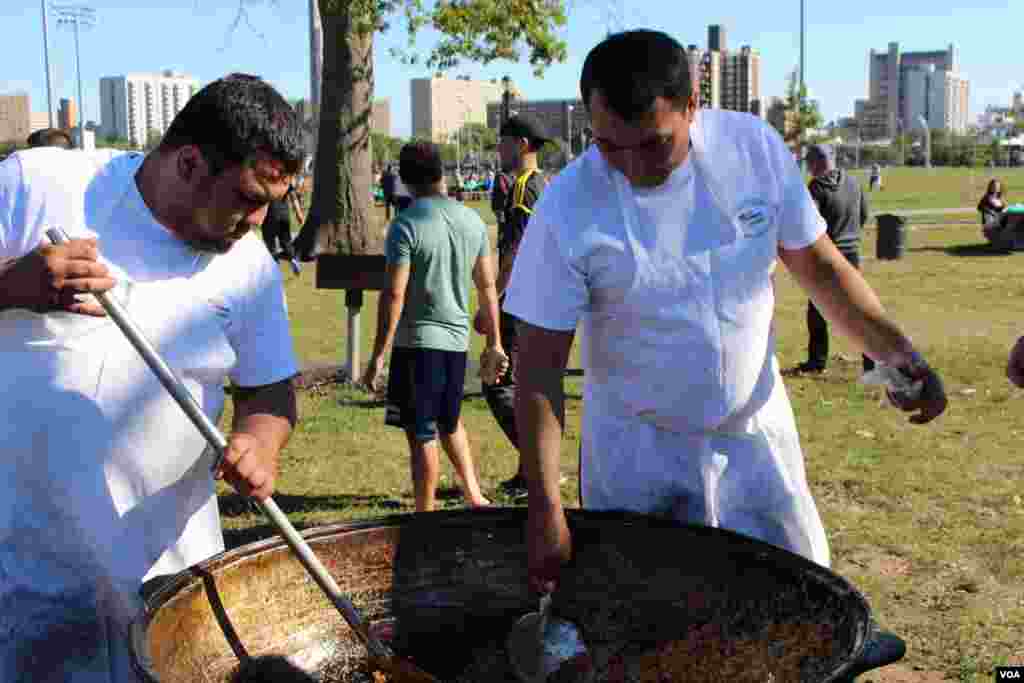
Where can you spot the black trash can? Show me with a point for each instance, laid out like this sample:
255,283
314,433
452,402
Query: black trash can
892,234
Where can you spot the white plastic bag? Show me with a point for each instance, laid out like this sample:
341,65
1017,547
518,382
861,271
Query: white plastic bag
894,381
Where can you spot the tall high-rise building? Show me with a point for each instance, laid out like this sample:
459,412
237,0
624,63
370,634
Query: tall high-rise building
443,106
716,38
67,114
140,105
706,75
15,118
741,81
905,86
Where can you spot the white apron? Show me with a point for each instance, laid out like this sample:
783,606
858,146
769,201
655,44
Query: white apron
663,432
109,480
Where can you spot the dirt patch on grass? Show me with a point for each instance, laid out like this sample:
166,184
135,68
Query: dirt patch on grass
901,673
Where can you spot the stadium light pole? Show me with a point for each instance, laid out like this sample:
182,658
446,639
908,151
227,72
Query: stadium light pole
77,17
800,95
46,63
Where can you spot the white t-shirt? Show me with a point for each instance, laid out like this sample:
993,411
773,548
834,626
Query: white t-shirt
109,480
663,278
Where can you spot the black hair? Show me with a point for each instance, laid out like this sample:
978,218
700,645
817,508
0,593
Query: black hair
632,68
50,137
419,164
234,117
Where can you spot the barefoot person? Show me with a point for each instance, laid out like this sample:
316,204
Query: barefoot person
434,248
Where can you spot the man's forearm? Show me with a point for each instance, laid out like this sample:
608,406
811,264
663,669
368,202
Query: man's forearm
846,300
12,288
505,264
489,303
540,418
389,311
267,413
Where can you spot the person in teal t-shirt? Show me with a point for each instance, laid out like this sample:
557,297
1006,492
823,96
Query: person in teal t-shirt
434,249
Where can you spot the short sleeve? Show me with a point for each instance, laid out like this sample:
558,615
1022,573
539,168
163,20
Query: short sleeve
485,241
398,245
10,189
800,222
263,340
546,289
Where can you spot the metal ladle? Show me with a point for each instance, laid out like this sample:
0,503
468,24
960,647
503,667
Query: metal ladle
540,644
381,656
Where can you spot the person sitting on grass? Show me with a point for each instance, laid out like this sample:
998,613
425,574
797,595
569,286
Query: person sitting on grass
992,203
433,249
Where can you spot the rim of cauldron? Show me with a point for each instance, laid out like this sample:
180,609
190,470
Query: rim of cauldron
856,603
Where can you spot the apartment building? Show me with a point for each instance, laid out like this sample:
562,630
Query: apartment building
140,105
904,87
443,106
563,119
724,79
380,121
741,81
15,118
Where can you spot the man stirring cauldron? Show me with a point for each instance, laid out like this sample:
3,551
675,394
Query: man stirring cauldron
660,238
108,482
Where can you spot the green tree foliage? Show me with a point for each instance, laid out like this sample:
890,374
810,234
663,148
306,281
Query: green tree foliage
807,116
385,148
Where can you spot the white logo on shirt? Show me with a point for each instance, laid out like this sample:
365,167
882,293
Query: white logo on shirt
755,219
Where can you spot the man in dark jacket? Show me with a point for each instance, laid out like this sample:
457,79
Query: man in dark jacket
515,192
842,204
387,186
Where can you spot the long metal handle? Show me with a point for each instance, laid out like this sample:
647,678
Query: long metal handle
209,430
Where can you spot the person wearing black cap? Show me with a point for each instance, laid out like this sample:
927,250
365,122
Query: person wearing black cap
433,249
50,137
845,209
521,137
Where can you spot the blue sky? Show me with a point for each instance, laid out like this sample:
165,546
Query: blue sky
192,36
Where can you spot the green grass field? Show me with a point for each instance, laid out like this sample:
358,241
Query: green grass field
927,521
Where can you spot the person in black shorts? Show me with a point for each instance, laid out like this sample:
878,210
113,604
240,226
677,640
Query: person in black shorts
434,248
277,228
522,136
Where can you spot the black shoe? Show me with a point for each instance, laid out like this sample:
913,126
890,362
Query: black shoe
805,368
514,486
303,253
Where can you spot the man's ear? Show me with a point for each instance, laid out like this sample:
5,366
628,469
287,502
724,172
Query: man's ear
691,105
190,163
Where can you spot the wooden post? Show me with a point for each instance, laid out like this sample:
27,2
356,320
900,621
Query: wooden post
353,302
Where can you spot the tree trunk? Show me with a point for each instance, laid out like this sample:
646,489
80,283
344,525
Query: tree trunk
316,63
339,216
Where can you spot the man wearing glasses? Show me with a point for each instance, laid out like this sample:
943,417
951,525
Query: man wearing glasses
660,238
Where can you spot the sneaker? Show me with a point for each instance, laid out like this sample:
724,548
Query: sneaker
515,485
296,266
805,368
